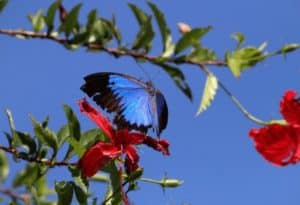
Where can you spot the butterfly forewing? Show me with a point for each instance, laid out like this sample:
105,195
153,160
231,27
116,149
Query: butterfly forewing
137,104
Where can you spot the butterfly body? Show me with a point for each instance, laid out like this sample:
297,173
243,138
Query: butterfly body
138,105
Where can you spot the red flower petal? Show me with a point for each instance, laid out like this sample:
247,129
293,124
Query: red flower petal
97,157
279,144
132,159
98,118
125,137
290,107
159,145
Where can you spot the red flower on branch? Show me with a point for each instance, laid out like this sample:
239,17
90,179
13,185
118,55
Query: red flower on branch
122,142
280,143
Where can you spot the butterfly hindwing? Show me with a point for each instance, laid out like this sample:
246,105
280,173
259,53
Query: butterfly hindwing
137,104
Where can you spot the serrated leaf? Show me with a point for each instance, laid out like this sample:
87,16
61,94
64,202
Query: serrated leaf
239,37
4,169
45,135
64,192
49,18
27,176
243,58
37,21
288,48
191,38
201,54
3,4
70,23
209,92
168,45
178,78
73,123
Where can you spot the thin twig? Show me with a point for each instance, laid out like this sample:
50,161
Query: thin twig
112,51
14,196
44,161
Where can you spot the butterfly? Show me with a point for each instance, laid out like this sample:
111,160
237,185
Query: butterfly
137,105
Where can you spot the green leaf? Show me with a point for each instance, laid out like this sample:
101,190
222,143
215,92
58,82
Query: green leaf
25,140
146,34
243,58
168,45
114,195
140,15
49,18
73,123
3,4
10,121
27,176
4,169
75,147
45,135
81,194
191,38
201,54
70,23
37,21
41,186
288,48
64,192
63,134
209,92
178,78
239,37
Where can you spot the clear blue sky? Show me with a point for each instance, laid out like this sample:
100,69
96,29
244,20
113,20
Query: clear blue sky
212,153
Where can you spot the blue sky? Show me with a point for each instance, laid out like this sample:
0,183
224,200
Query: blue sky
212,153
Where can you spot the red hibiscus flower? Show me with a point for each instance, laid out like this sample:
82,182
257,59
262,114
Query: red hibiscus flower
122,142
280,143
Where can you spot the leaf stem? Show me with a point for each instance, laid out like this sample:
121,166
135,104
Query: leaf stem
235,100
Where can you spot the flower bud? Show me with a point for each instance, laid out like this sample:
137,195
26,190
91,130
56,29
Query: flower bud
183,27
171,183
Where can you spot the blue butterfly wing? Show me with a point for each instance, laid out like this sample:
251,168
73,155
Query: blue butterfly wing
135,106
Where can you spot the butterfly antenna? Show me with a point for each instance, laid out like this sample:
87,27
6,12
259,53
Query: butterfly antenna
143,70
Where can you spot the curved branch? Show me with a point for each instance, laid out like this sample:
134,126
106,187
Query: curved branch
44,161
112,51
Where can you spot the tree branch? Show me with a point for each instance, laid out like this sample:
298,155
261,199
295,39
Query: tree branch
112,51
44,161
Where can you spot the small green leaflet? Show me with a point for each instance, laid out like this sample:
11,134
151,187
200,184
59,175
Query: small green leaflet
191,38
37,21
209,92
244,58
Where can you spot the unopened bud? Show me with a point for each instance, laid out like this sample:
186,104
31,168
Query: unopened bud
183,27
171,183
